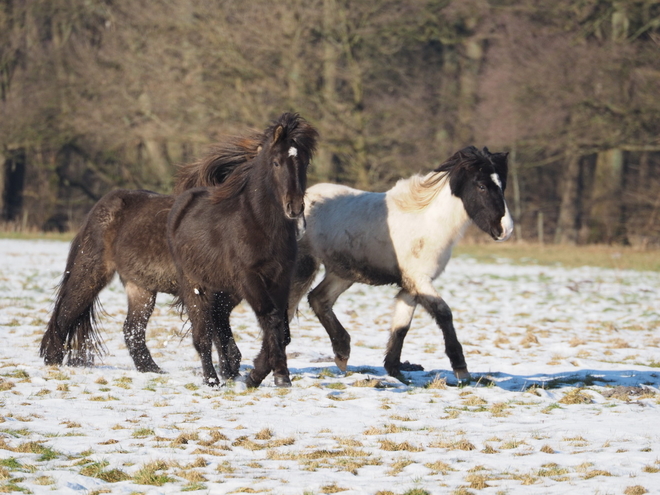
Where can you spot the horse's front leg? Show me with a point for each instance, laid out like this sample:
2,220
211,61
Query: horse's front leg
438,308
404,309
322,299
140,306
272,356
270,306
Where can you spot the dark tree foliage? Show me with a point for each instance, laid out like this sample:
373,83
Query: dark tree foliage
97,94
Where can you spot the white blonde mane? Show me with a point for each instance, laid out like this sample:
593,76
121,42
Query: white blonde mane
417,192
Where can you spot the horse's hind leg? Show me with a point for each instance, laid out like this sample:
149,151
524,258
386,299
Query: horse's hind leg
322,299
199,307
404,309
228,352
71,327
438,308
140,306
303,276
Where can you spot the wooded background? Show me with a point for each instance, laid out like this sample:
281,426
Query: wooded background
98,94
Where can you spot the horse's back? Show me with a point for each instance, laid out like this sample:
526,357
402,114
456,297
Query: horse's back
135,235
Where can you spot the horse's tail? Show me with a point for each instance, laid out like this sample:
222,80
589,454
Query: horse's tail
303,276
73,327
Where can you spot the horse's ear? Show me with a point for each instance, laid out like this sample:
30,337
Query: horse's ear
277,134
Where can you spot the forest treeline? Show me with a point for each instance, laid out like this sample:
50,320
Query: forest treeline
98,94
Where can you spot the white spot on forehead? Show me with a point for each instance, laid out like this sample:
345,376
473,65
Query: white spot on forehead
293,151
496,180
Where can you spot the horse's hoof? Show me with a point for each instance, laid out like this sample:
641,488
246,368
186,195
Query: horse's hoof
408,366
151,369
250,382
463,376
282,381
229,375
213,382
341,362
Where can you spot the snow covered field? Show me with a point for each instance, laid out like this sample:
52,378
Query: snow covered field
568,362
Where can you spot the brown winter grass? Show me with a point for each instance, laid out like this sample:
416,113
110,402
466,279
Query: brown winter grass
620,257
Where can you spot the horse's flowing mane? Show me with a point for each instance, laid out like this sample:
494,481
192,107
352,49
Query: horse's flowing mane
417,192
223,158
218,163
294,130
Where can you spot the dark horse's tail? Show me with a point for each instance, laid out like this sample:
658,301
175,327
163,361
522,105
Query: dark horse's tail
72,328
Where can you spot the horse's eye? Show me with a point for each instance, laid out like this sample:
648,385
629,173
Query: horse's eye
481,187
276,163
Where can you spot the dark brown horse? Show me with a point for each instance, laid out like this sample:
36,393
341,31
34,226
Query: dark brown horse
124,233
238,241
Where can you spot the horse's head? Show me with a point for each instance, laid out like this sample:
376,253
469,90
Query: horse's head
290,144
478,177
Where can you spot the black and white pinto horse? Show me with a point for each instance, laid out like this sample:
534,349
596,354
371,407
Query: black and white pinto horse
404,237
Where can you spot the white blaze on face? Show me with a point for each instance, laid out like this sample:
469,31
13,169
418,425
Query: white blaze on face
507,224
496,180
507,220
293,151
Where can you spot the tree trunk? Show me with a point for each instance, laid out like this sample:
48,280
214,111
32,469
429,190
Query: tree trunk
470,63
567,223
606,222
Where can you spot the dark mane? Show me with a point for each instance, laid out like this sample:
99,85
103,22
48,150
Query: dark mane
234,185
223,158
298,131
218,163
294,130
469,154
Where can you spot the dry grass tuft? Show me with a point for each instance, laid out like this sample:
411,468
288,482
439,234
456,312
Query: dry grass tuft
489,450
461,444
477,481
391,446
635,490
264,434
191,475
6,385
216,436
438,383
439,467
576,396
225,467
548,450
529,339
398,466
474,400
391,428
333,488
369,383
596,472
500,410
184,438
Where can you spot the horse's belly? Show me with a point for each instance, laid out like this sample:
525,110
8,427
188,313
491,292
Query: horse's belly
361,271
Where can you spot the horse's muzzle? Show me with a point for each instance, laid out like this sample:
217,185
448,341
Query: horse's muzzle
506,225
294,211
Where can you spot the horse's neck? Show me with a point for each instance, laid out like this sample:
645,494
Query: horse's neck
444,219
265,207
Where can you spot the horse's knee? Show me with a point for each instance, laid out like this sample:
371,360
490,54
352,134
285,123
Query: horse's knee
438,309
318,303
